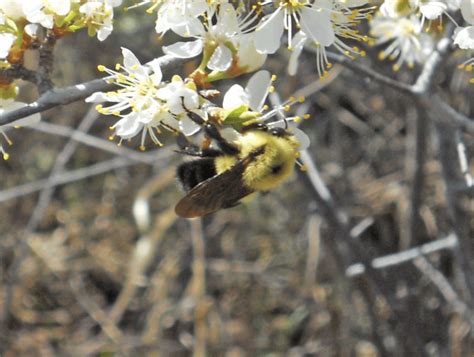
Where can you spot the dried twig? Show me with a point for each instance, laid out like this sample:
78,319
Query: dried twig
450,242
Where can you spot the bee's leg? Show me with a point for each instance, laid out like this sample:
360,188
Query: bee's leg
188,148
255,126
214,133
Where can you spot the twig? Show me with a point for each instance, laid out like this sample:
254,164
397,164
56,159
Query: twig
312,259
365,71
18,71
60,96
415,158
89,140
444,287
79,174
198,289
450,242
46,61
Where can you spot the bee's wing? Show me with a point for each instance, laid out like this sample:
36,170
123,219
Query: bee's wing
220,191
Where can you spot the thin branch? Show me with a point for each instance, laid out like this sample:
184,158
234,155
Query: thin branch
18,71
60,96
450,242
79,174
444,287
89,140
415,159
46,62
367,72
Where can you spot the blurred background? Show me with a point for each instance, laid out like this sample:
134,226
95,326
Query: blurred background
268,278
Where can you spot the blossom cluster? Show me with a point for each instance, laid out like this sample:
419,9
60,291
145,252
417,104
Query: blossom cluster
20,21
146,104
410,28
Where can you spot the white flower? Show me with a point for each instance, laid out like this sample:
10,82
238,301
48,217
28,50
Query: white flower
42,11
407,43
12,9
214,37
464,37
178,13
136,103
254,96
314,20
344,26
98,15
5,106
182,101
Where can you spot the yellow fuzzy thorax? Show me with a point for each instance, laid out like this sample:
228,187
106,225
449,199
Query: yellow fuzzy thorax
259,175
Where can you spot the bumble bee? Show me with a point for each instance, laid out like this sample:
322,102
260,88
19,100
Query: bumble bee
260,159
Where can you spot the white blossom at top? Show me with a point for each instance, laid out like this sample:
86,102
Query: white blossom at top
178,13
407,43
43,11
313,19
98,15
345,16
213,36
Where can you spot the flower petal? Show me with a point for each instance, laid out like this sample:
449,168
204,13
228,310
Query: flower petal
184,49
257,89
188,127
221,59
316,24
267,37
235,97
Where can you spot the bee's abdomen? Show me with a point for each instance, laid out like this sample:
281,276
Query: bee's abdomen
192,173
